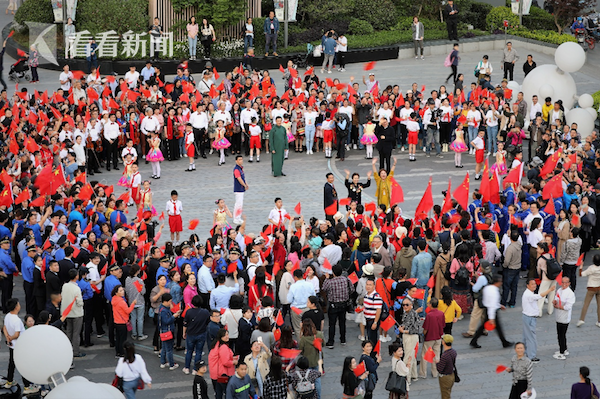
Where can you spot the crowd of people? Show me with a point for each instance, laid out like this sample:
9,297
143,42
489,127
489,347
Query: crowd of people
258,300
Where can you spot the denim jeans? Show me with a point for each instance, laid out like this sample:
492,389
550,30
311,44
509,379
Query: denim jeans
472,134
529,324
129,388
248,43
137,321
422,303
192,44
271,39
433,137
317,383
509,284
182,150
372,335
194,342
309,133
360,134
166,353
492,133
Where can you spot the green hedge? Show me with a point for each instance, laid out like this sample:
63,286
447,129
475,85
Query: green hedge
119,15
548,36
539,19
35,11
495,19
380,14
405,23
360,27
596,97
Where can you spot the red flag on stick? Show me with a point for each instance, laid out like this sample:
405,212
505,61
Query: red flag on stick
388,323
360,369
369,65
138,285
426,202
68,308
298,209
461,194
397,193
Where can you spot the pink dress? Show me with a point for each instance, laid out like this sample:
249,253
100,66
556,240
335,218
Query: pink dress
222,142
458,145
369,136
500,164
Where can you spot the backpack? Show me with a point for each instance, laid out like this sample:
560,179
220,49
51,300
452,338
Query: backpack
447,274
553,269
304,388
462,275
478,296
448,60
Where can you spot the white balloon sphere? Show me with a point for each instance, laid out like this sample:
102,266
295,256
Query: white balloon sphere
42,351
569,57
585,122
585,101
76,385
545,91
109,391
561,82
514,86
592,112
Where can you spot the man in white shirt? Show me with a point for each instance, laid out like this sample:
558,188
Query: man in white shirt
535,108
222,115
132,77
129,150
531,312
404,117
205,83
491,303
65,78
277,214
199,121
563,305
111,135
331,252
149,124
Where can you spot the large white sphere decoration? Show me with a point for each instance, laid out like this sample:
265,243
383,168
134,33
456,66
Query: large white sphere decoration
562,83
584,120
545,91
109,391
569,57
75,386
592,112
585,101
42,351
515,87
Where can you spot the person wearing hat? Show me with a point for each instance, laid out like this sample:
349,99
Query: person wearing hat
186,257
27,267
58,252
200,387
165,265
446,366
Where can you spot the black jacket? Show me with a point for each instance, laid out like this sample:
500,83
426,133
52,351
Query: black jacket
65,265
386,137
39,285
53,283
329,195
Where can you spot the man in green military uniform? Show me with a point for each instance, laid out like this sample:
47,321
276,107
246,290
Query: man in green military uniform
278,143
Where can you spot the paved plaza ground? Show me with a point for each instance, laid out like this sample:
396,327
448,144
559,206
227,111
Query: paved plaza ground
304,183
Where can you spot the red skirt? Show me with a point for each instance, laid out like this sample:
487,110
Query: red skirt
479,156
413,138
255,142
327,136
175,223
191,150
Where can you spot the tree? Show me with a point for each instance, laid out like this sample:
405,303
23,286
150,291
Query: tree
565,10
310,11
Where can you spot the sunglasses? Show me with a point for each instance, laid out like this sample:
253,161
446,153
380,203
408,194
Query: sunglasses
406,304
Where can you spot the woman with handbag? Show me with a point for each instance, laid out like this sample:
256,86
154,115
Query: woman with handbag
221,363
132,370
584,389
121,316
371,363
353,385
397,378
166,328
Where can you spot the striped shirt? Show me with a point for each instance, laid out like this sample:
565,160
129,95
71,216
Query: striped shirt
372,302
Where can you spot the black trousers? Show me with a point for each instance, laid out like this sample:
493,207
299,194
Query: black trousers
88,318
453,74
99,308
30,305
236,142
7,290
207,45
34,74
205,301
11,368
110,322
341,146
341,57
445,132
561,331
570,271
499,330
385,157
40,304
509,69
452,25
2,81
173,149
92,161
111,153
517,389
337,313
121,337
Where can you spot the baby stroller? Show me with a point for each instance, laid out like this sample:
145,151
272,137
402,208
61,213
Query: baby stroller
20,70
301,60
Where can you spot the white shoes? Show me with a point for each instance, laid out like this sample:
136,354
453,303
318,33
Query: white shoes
361,337
354,147
580,323
559,356
558,352
186,371
422,57
598,324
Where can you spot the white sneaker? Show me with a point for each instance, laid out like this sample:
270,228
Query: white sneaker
186,371
194,372
382,338
559,356
422,57
580,323
211,151
598,324
174,367
558,352
329,71
424,149
354,147
402,149
31,389
361,337
162,366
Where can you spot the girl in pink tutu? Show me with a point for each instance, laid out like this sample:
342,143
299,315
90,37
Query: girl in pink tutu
221,142
155,156
458,145
500,164
369,138
146,199
125,180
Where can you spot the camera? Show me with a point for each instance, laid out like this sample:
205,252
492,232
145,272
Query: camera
436,114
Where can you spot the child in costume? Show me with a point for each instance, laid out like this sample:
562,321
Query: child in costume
500,165
155,156
369,138
190,148
125,180
220,217
458,145
221,143
146,198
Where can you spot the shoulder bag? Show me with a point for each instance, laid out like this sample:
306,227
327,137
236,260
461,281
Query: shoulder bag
167,335
456,377
592,395
396,383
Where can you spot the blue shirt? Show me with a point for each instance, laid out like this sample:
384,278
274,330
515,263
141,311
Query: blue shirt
113,219
86,289
27,267
76,215
192,261
6,263
35,228
109,284
4,231
175,291
329,46
220,296
421,267
299,293
59,254
162,271
221,266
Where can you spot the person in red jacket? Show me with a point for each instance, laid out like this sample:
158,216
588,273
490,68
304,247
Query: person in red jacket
221,363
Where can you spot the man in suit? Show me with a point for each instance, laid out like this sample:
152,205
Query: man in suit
385,144
66,264
330,200
451,11
53,282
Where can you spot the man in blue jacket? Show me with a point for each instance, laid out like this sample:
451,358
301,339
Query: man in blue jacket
8,268
271,28
110,282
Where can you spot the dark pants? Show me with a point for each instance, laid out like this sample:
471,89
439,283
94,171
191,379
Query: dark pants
207,45
173,149
341,146
30,306
194,343
110,322
271,38
198,135
121,337
88,318
99,308
205,301
11,368
448,328
517,389
2,81
179,324
445,132
570,271
92,161
453,74
219,388
7,290
34,74
509,69
499,330
111,153
385,157
341,57
40,304
451,25
510,284
532,270
337,313
561,331
372,335
236,142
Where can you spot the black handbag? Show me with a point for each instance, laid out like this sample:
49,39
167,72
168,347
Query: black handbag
396,383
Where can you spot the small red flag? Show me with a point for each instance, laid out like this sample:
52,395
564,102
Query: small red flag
353,278
162,216
326,267
413,281
345,201
500,368
388,323
175,308
318,344
231,268
24,196
377,348
369,65
580,259
360,369
431,282
370,207
138,285
298,209
217,76
277,334
559,277
95,288
279,319
429,355
297,310
489,326
420,294
193,224
289,353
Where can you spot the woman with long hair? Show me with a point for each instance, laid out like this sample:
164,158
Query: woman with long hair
543,256
286,341
259,290
308,334
461,290
275,385
584,389
190,290
132,368
372,361
177,294
448,306
562,228
137,315
221,363
350,381
192,32
442,263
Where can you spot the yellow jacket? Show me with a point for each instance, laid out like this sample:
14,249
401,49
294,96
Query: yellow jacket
450,312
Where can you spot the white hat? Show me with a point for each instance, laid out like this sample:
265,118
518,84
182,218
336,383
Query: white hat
368,269
401,231
338,216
